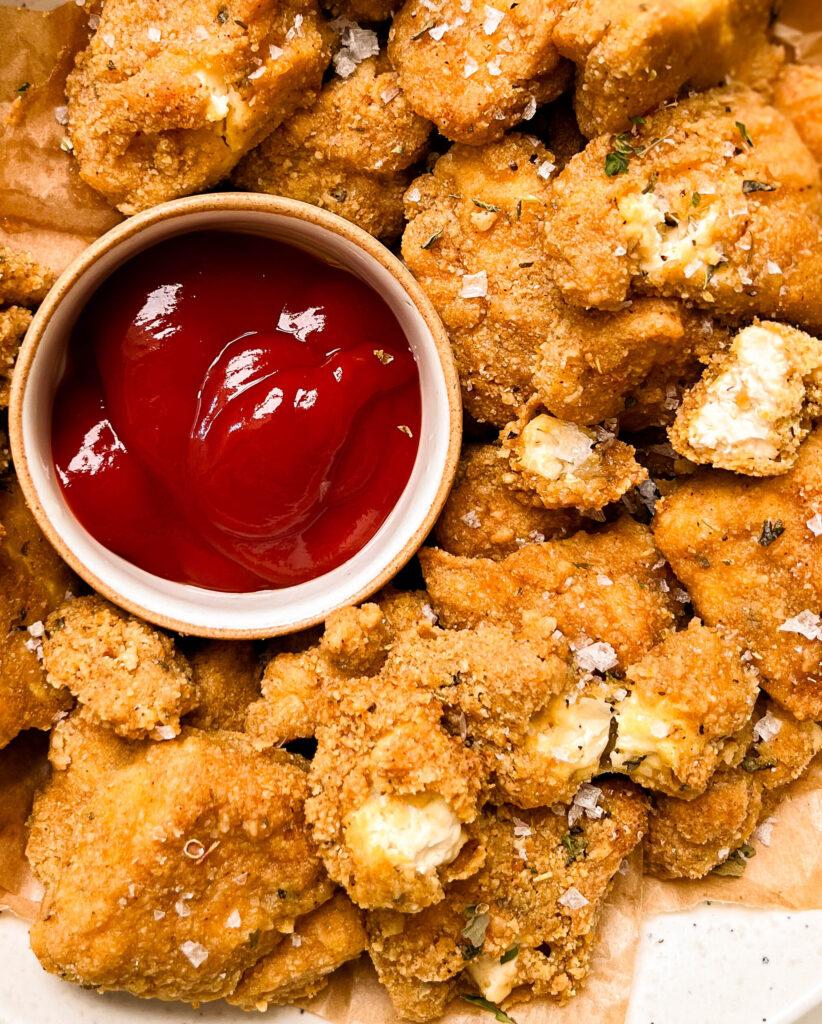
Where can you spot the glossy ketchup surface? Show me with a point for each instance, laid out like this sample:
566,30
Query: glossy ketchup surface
235,413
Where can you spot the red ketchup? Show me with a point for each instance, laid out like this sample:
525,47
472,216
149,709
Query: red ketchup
235,413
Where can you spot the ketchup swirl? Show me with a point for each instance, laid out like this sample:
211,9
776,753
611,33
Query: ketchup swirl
235,413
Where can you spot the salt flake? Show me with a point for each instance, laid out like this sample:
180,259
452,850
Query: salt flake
474,286
597,657
573,899
194,953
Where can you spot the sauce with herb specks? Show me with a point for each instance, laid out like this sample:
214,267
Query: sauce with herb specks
235,413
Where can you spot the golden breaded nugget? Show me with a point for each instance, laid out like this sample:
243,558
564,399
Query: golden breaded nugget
127,675
482,517
716,200
607,587
183,869
226,679
299,966
525,924
167,97
347,153
14,322
751,562
557,464
632,55
752,408
477,70
22,281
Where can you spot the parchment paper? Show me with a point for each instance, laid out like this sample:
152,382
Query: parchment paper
47,209
44,205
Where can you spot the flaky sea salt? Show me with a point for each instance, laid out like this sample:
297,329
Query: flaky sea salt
530,109
814,524
471,67
357,44
163,732
413,195
573,899
182,909
108,39
296,940
429,614
154,34
767,727
805,623
201,33
472,519
522,828
474,286
597,657
546,169
764,831
275,52
296,28
194,953
233,920
389,94
492,21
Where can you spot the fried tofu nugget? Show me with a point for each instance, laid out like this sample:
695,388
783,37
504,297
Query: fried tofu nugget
474,242
184,868
715,200
127,674
226,679
296,684
167,97
392,790
798,94
753,406
23,282
482,517
300,965
634,363
687,698
348,153
560,465
525,924
688,838
749,555
33,581
633,56
477,70
601,590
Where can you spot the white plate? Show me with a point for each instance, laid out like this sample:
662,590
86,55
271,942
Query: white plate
714,965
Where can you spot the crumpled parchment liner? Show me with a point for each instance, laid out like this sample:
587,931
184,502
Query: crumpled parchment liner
47,209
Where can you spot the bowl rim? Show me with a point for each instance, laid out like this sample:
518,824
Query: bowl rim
227,202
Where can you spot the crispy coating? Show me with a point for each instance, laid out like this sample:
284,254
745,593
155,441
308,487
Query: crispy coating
14,322
607,587
489,682
391,792
299,966
479,212
798,95
183,869
295,683
477,72
753,406
631,56
520,899
563,747
634,363
127,674
484,211
688,838
482,517
81,753
750,562
558,464
226,679
33,581
22,281
687,697
715,200
347,153
23,768
167,97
